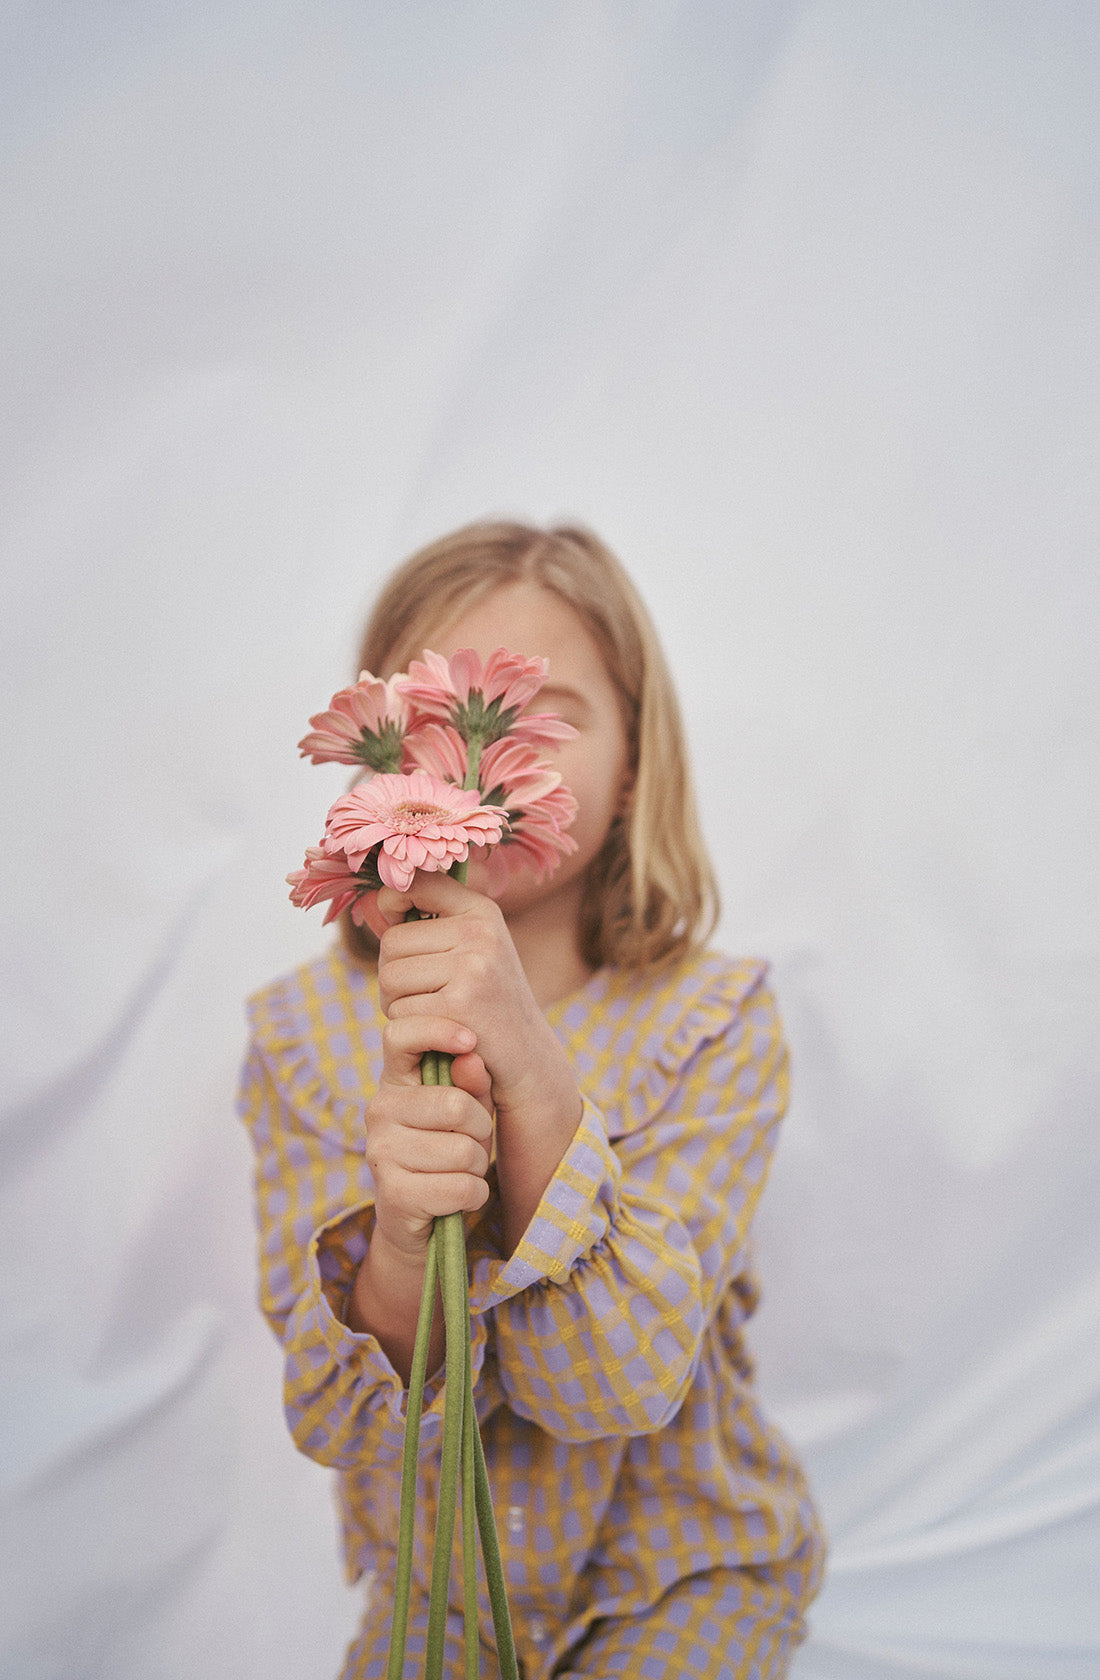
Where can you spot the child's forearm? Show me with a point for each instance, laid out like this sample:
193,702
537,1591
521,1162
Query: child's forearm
385,1301
532,1137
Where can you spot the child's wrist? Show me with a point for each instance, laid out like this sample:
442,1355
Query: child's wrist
384,1301
538,1094
398,1257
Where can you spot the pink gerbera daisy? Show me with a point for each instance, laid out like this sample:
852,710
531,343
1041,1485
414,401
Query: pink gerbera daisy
365,724
409,823
324,877
439,749
539,810
516,780
483,702
535,837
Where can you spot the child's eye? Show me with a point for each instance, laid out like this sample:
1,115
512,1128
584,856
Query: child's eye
571,708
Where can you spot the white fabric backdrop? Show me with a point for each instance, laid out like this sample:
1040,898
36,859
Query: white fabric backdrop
796,304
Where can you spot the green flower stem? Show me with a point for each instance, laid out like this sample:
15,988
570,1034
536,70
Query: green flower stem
429,1061
469,1430
469,1416
463,1454
413,1411
469,1507
452,1272
494,1569
402,1592
473,765
475,1474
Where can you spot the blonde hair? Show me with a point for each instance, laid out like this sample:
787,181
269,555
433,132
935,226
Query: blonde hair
650,894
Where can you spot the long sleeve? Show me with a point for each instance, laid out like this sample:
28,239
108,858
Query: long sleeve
344,1402
600,1313
314,1211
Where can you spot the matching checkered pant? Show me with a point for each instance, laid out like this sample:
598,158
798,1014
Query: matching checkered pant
737,1624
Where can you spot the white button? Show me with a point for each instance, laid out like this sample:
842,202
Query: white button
536,1627
515,1519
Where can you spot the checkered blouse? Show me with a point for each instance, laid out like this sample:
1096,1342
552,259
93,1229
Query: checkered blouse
625,1447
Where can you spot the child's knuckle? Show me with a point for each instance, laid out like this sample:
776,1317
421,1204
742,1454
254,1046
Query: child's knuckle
453,1106
479,967
473,1158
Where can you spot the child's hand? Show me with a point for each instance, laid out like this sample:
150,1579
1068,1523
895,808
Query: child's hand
462,969
463,965
427,1146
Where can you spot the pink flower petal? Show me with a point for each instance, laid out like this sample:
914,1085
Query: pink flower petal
323,878
511,678
413,821
351,731
440,750
541,729
394,873
440,689
465,672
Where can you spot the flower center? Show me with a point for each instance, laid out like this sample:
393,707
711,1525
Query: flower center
412,814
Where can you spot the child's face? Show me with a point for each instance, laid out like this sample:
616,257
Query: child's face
527,619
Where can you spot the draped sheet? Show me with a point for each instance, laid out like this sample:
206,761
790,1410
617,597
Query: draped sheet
794,303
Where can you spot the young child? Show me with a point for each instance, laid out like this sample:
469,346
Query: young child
617,1090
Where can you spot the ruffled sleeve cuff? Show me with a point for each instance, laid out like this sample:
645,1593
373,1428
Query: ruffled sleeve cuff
574,1215
335,1253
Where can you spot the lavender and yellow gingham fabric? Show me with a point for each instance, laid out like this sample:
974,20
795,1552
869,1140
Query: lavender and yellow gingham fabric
641,1497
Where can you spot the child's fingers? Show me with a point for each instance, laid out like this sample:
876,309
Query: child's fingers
406,984
391,906
433,893
370,913
428,1152
408,939
406,1040
427,1108
470,1074
434,1195
421,1154
408,1202
438,894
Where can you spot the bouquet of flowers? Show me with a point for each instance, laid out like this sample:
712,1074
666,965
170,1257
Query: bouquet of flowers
450,760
